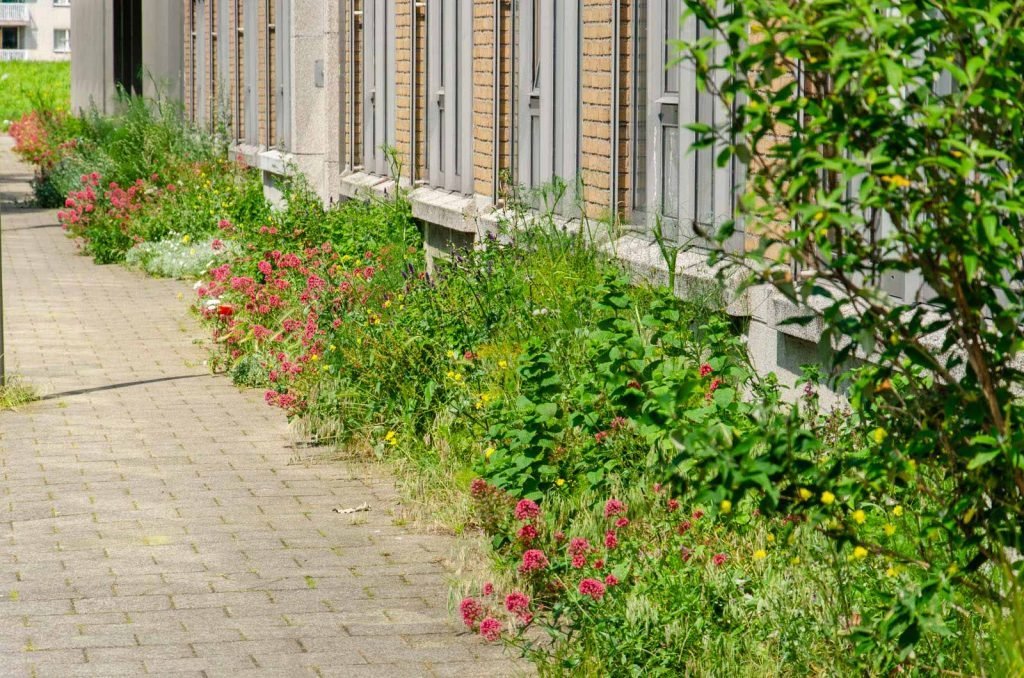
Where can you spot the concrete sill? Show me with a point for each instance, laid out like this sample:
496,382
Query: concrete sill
268,160
363,185
694,277
453,211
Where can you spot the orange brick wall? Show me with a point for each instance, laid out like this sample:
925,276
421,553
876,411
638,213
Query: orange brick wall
483,97
595,104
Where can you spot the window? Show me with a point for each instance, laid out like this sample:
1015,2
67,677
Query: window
61,3
378,77
684,188
449,94
283,106
200,97
61,40
549,91
250,78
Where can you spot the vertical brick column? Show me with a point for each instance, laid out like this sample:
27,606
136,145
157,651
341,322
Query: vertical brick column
405,60
595,105
483,133
262,80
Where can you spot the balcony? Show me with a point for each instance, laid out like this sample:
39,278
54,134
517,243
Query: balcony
13,55
14,14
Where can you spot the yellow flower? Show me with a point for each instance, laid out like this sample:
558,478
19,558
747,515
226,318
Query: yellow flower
391,438
827,498
725,506
488,452
795,560
860,553
859,517
889,529
896,180
891,572
878,435
502,364
770,538
760,554
314,357
185,240
897,510
479,404
332,347
804,493
387,303
956,154
560,482
952,569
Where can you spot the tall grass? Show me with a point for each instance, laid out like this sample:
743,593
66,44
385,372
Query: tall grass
33,84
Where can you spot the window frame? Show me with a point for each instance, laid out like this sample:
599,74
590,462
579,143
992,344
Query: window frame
250,77
450,123
67,47
283,56
378,84
549,79
705,194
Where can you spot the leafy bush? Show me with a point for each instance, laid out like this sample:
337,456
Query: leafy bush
901,156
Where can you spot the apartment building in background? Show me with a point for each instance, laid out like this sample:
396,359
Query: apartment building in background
35,30
461,102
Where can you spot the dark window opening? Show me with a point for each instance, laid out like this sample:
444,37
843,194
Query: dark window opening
128,45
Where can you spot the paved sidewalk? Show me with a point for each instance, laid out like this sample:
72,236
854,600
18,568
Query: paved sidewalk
152,517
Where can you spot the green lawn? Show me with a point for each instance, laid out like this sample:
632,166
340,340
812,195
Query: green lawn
25,83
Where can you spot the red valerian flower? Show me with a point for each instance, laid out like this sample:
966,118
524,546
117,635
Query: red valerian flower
490,629
471,611
517,602
715,383
611,580
614,507
527,533
719,559
225,311
622,522
579,561
533,560
592,588
488,589
526,509
672,505
578,546
705,370
610,540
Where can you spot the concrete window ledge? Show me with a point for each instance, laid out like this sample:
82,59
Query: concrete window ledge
694,277
452,211
268,160
361,185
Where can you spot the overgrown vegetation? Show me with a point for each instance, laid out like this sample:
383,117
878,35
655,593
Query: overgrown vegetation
653,505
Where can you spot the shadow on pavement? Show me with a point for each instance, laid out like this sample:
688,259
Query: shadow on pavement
125,384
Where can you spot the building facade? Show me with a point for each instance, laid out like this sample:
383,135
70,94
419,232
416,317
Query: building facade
125,45
35,30
465,103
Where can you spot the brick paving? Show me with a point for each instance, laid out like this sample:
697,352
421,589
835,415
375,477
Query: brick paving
155,520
